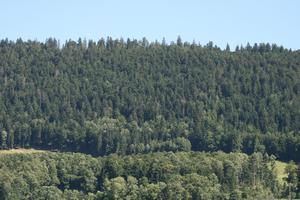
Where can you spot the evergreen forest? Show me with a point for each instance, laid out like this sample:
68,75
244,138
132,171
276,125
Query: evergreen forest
133,119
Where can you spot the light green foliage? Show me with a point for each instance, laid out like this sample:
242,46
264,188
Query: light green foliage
3,139
280,172
182,175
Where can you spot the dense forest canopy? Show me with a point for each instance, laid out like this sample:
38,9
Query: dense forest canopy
128,97
182,175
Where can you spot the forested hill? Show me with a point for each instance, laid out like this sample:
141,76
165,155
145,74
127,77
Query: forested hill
127,97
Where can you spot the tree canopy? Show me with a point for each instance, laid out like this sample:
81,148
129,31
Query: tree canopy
112,96
151,110
169,175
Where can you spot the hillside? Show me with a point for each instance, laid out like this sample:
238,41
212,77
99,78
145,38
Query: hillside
113,96
150,110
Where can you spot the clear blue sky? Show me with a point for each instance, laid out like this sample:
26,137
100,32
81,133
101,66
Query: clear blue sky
221,21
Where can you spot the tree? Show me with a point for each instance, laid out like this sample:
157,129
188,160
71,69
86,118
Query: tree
115,188
179,41
3,139
292,179
47,192
11,139
227,47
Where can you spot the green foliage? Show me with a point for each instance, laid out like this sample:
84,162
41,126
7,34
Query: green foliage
181,175
127,100
113,96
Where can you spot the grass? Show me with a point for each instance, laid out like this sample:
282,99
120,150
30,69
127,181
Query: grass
21,150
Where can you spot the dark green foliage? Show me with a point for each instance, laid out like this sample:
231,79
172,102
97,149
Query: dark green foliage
133,97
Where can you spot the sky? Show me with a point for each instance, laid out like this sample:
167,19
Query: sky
234,22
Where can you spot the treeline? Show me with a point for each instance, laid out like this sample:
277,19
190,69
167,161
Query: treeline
147,176
116,96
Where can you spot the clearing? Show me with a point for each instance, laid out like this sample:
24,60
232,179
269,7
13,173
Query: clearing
21,150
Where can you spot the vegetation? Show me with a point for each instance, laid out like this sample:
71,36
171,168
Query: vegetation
113,96
182,175
149,109
281,172
22,151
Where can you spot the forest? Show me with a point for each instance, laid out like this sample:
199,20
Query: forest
161,175
150,102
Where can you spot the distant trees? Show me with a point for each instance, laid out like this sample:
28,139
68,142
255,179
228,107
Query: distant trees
129,97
